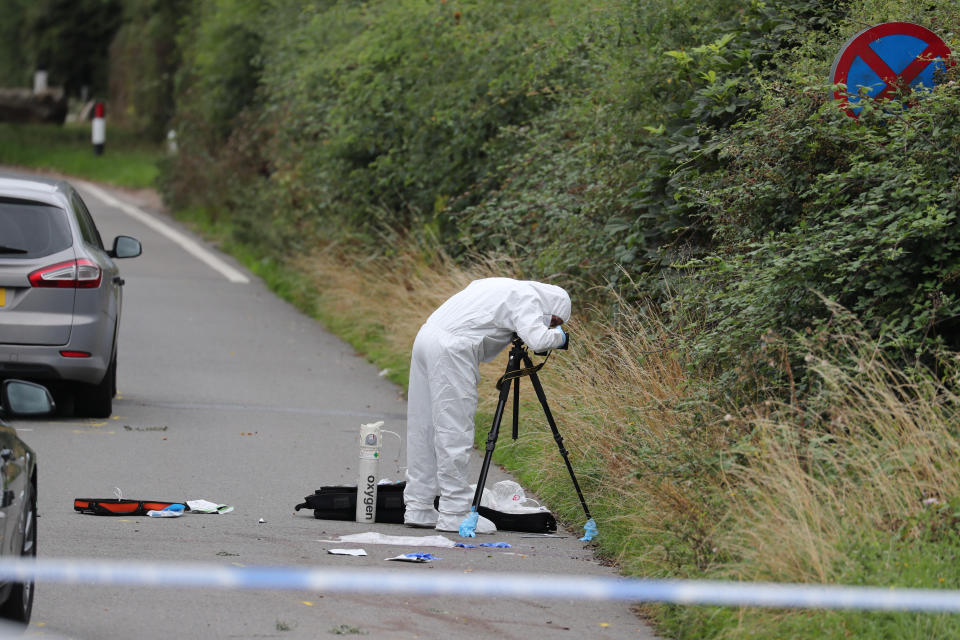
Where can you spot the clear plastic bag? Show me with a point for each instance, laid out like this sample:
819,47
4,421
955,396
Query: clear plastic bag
507,496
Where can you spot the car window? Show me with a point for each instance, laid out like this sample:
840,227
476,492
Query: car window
87,229
32,229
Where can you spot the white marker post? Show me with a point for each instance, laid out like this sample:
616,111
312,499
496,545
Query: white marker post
99,131
39,81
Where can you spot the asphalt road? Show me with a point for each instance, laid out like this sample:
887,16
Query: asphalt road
228,394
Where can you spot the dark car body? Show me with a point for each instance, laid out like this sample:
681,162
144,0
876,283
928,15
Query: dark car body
18,491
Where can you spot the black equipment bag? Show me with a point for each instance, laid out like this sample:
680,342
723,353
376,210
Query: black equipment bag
535,522
340,503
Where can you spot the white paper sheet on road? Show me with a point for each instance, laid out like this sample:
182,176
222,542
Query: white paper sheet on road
205,506
347,552
372,537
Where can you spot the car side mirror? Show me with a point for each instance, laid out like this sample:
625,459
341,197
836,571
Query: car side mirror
125,247
20,398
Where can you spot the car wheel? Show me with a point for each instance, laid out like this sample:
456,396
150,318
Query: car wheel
19,604
64,397
96,401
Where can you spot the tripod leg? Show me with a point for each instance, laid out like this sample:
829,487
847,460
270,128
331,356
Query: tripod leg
556,433
516,408
513,364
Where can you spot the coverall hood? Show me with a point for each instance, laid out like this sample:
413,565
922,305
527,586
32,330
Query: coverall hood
490,310
554,299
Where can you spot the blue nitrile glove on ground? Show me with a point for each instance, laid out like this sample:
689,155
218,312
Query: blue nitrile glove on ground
590,529
468,527
172,511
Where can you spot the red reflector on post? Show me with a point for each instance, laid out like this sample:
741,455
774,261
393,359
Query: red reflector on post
75,354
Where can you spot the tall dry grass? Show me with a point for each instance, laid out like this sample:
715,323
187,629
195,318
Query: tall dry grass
881,447
631,410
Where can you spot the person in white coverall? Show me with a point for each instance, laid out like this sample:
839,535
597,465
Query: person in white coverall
472,326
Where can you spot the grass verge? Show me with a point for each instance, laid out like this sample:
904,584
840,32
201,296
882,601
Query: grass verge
126,161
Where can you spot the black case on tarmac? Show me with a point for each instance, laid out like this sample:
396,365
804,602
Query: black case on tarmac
340,503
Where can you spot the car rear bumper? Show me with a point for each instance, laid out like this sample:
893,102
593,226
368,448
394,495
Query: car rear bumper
46,363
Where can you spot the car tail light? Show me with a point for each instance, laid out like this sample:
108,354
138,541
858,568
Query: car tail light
75,274
75,354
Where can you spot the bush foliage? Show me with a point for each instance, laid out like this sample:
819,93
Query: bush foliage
688,151
809,203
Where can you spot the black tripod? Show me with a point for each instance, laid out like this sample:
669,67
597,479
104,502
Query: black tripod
518,355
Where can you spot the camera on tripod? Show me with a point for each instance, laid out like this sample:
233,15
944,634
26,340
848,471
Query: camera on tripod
564,346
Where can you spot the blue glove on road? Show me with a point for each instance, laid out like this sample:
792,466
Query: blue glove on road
590,531
469,525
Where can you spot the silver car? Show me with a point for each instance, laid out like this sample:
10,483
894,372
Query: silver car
60,294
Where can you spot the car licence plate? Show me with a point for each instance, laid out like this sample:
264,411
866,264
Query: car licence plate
3,296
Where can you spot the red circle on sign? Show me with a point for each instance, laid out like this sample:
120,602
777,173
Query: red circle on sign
859,47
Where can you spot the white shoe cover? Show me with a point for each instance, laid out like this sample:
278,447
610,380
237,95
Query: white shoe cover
451,522
423,518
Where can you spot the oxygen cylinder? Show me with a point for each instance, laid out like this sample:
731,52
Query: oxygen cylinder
369,472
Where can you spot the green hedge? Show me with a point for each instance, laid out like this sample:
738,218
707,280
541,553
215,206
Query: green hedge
687,149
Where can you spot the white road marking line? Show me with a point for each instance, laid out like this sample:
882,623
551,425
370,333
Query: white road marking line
186,243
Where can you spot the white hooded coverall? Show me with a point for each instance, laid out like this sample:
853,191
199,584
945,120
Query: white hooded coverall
472,326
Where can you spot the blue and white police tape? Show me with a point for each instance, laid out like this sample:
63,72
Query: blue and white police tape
448,583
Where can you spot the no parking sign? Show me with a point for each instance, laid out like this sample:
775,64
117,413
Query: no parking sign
880,60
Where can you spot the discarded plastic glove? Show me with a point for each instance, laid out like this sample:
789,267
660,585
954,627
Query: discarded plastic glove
590,530
498,545
463,545
415,557
173,511
469,525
